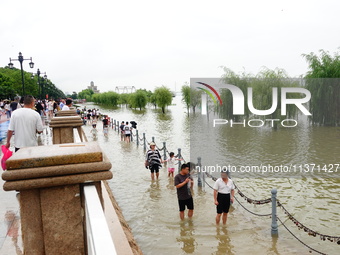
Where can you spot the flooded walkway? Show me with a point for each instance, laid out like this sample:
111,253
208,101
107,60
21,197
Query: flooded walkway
151,208
10,229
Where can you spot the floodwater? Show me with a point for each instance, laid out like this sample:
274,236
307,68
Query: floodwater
151,208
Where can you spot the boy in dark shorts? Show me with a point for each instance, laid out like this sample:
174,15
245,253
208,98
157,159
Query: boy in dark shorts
184,183
224,190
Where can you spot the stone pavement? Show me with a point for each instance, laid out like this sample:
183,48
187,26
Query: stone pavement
10,229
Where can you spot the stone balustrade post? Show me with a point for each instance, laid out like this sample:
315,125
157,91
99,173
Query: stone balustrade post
50,180
62,128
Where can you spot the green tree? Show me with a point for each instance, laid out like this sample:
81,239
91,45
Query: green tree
241,81
322,80
138,99
50,90
13,84
86,94
186,95
195,98
123,99
152,100
73,96
6,90
263,85
262,97
31,85
107,98
163,97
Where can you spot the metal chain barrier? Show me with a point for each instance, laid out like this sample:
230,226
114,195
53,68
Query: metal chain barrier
312,249
335,239
160,149
257,214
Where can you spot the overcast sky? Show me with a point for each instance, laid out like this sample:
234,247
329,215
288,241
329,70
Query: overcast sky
152,43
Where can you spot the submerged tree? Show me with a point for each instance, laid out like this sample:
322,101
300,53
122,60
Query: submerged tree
163,97
263,94
323,81
195,98
241,81
109,98
186,95
191,97
138,99
262,97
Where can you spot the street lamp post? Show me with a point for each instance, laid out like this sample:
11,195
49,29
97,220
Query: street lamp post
21,59
39,83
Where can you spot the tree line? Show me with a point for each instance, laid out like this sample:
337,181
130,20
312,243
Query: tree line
322,80
161,97
11,85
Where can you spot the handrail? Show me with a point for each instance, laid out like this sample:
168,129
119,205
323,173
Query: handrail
99,241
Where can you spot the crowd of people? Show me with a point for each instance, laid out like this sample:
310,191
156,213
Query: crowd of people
25,115
224,188
44,107
25,121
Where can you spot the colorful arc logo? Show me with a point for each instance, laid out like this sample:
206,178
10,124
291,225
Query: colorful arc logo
209,93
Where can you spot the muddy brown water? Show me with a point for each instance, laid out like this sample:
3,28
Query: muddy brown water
151,208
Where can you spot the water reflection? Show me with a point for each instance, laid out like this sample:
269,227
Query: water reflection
223,246
171,183
273,249
154,191
13,224
139,112
186,239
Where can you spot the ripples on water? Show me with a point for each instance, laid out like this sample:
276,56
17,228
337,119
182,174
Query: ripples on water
151,208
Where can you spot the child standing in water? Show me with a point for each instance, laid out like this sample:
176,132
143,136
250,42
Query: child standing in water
94,131
171,164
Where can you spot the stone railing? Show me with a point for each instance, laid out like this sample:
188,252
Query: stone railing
51,179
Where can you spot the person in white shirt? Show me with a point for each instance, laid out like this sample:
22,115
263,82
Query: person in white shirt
127,132
50,108
68,105
171,164
26,123
224,191
7,109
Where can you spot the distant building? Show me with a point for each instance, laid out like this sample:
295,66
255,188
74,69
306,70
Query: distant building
93,87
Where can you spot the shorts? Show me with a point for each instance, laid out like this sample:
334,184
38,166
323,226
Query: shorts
187,202
127,135
154,168
171,170
223,203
